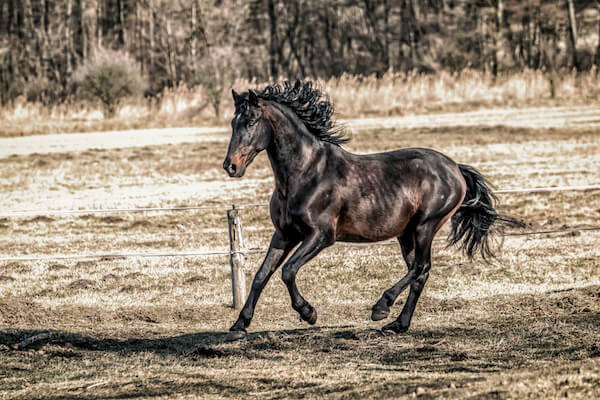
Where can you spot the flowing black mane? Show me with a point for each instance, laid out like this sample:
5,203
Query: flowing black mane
309,104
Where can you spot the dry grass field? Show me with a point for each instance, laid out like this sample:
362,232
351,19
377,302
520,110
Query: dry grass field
394,93
525,326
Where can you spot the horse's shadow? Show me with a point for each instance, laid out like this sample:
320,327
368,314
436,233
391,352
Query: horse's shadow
199,342
504,344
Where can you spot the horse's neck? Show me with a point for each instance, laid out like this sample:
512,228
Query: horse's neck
293,151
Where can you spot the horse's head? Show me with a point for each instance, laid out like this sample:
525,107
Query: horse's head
250,133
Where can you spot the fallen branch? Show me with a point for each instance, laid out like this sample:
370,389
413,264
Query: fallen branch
33,339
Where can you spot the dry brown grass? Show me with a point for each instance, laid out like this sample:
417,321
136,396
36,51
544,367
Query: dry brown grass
525,326
354,97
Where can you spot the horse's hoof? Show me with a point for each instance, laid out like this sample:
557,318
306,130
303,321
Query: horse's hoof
308,314
233,336
378,315
312,318
394,327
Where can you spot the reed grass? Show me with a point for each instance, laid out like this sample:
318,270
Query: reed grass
394,93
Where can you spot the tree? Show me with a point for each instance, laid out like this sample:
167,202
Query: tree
573,33
598,46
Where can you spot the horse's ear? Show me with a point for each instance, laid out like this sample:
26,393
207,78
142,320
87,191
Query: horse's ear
236,96
253,98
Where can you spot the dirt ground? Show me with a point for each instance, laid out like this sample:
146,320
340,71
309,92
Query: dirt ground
524,326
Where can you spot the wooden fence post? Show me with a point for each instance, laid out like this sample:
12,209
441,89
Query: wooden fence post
236,258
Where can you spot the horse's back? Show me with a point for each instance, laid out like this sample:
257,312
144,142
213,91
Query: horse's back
407,156
405,169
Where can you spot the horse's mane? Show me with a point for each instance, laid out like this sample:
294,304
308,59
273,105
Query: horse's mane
310,106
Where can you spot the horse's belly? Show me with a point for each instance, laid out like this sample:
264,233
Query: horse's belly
371,228
354,238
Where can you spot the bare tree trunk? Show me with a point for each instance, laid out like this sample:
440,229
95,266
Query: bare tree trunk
99,23
530,40
31,38
537,29
598,47
573,32
171,55
379,47
3,26
68,38
291,36
498,36
46,21
273,42
387,34
84,30
43,32
139,39
402,33
151,21
121,19
194,44
334,69
415,33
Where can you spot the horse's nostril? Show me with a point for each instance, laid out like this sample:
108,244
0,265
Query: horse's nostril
230,167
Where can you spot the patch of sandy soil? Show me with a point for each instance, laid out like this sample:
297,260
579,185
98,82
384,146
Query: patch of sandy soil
67,142
538,117
149,195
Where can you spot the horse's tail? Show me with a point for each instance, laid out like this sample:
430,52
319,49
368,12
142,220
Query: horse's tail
476,222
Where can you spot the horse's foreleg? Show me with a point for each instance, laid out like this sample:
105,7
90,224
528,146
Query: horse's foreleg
278,250
309,248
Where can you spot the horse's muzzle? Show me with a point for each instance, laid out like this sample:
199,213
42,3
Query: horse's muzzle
233,169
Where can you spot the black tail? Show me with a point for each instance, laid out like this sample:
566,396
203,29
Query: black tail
476,222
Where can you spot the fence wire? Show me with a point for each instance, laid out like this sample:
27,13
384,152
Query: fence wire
113,256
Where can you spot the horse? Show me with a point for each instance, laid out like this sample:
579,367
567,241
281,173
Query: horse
324,194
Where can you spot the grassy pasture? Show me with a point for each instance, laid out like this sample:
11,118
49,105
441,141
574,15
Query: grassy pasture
525,326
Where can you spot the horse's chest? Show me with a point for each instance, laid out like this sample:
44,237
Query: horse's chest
293,221
287,216
296,216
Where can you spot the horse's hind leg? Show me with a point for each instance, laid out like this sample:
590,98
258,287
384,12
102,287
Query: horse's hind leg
420,267
382,308
403,321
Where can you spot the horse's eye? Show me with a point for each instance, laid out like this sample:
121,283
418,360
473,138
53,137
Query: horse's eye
251,122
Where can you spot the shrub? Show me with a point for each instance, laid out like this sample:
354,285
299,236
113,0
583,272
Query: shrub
109,77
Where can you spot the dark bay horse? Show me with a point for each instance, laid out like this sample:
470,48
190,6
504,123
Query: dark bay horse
325,194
